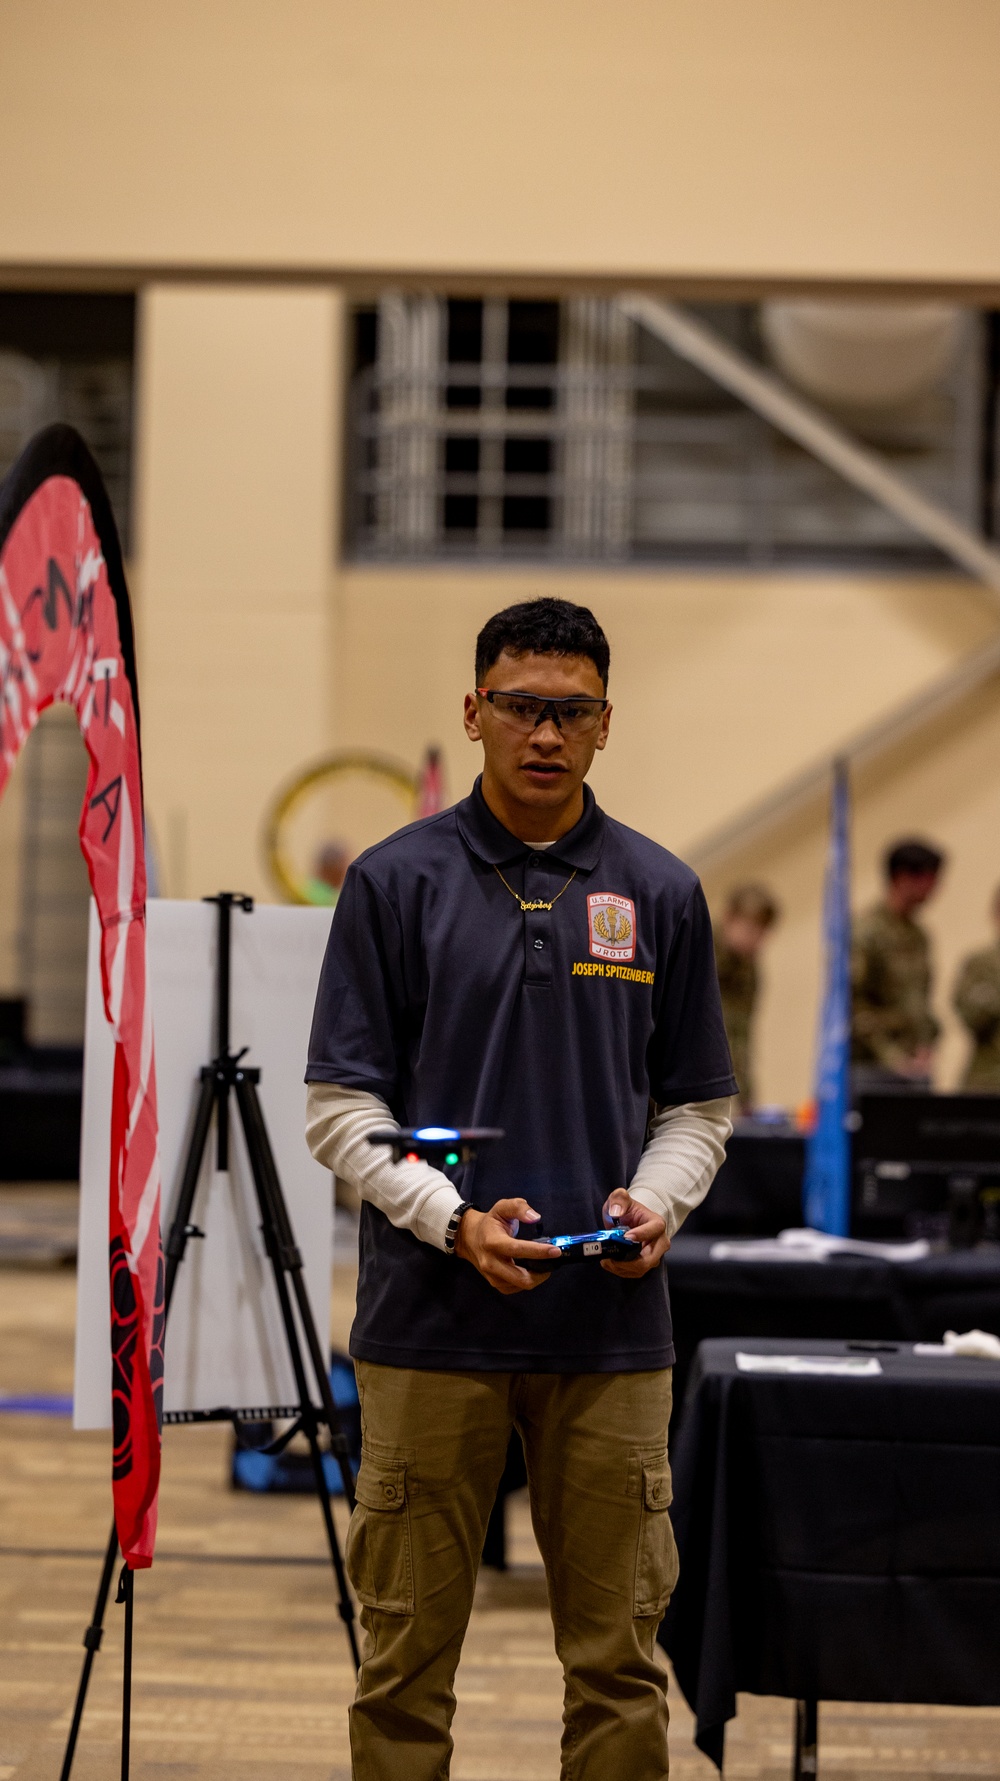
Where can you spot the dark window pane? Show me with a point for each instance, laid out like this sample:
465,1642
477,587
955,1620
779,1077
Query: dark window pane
365,338
526,513
532,339
465,331
533,334
461,457
67,356
531,397
527,457
67,325
461,513
465,347
462,395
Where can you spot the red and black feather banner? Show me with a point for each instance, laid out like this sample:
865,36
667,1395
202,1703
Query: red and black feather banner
66,633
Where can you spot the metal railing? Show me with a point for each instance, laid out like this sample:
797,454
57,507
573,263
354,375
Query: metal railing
625,463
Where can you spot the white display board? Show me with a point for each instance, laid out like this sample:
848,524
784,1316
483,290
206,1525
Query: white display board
225,1342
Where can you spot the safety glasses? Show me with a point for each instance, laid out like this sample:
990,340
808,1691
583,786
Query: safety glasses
525,711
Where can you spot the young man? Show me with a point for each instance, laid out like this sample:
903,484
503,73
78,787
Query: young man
893,1027
521,961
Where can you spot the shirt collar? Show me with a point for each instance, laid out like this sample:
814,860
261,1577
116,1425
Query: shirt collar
485,834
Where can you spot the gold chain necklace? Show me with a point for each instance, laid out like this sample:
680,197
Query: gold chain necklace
526,908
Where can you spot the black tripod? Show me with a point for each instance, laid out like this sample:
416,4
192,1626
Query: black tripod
226,1075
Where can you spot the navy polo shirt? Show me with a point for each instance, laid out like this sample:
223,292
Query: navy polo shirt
440,995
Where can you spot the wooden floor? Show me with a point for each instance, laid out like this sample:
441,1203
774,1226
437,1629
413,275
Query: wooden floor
241,1664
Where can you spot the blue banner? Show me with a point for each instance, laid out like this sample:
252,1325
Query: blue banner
826,1193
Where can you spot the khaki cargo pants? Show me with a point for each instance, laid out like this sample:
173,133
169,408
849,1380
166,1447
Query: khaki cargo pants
434,1446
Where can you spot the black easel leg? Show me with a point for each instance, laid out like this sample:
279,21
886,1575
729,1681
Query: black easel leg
345,1606
92,1644
804,1762
125,1595
274,1213
284,1258
180,1226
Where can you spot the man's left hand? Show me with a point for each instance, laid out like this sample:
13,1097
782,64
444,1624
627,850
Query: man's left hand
646,1230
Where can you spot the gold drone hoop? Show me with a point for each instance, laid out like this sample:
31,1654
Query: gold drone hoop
332,766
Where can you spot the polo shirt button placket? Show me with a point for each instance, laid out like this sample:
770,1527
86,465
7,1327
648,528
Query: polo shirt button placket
538,887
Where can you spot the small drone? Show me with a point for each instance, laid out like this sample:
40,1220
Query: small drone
435,1143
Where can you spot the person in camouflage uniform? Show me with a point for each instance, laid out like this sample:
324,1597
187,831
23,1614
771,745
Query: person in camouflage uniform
751,911
893,1029
977,1002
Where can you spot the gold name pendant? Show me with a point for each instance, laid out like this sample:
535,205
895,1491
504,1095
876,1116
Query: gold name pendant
526,908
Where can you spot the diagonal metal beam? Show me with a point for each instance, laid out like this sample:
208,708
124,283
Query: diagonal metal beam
973,671
700,345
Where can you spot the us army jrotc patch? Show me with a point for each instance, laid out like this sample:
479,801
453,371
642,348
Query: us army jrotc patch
611,921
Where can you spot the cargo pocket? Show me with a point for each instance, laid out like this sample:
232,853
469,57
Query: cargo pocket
656,1562
379,1559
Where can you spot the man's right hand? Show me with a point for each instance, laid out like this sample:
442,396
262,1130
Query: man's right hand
489,1241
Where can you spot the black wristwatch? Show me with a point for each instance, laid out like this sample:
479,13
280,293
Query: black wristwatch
451,1228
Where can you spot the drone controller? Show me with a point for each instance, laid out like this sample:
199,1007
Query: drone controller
614,1245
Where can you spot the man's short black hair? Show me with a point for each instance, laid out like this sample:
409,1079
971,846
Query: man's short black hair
912,855
542,627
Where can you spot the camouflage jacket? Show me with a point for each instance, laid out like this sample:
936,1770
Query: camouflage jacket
977,1001
738,985
891,1016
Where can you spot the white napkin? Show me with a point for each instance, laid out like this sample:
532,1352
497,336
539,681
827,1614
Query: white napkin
813,1246
971,1345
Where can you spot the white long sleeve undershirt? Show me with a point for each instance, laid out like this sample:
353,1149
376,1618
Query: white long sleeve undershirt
683,1151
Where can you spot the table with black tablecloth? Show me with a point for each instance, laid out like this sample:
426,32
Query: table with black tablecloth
847,1296
839,1537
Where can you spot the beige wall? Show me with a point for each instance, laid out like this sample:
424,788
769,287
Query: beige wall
257,653
709,143
720,139
724,686
947,786
238,417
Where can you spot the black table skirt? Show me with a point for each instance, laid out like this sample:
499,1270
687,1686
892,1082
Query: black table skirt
839,1538
835,1300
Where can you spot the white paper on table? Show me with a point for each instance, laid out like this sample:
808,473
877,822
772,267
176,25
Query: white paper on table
845,1366
805,1245
225,1343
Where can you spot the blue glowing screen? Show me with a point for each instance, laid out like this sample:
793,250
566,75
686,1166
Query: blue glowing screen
590,1237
